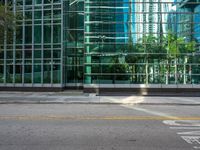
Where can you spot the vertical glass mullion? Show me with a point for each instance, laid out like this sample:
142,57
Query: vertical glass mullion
62,48
33,47
23,42
51,43
5,47
87,69
84,58
14,42
42,44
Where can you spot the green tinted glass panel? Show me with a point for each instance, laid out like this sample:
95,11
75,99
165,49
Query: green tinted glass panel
37,34
47,34
56,33
37,74
28,34
47,74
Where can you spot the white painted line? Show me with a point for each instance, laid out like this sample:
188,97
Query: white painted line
185,128
191,139
184,123
152,112
189,133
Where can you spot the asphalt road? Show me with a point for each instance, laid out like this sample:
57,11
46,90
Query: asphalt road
99,127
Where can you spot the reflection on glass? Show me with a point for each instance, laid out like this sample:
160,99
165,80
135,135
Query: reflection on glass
142,41
103,41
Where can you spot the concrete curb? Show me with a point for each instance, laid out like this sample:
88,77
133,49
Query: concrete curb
95,103
93,98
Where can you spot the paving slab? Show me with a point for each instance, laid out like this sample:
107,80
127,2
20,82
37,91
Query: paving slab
75,97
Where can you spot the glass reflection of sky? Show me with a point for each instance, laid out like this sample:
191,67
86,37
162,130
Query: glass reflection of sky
122,20
123,14
197,23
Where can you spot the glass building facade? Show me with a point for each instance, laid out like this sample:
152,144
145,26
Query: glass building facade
103,43
34,55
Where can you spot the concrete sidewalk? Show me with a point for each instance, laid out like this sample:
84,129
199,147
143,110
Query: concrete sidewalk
77,97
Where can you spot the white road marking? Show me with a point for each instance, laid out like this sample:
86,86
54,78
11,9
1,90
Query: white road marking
179,124
185,128
182,123
189,133
150,112
191,139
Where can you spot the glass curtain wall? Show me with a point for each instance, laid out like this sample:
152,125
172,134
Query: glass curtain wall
74,41
109,30
105,42
34,55
142,42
